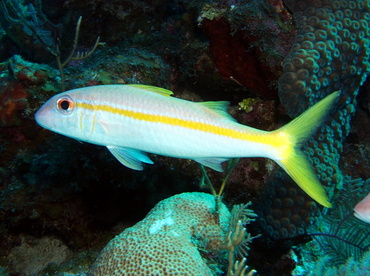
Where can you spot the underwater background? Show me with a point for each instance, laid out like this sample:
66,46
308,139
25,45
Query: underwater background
63,201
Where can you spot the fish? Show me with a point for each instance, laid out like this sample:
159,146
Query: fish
134,119
362,209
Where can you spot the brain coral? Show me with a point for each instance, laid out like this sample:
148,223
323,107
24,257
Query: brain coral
330,53
168,240
284,211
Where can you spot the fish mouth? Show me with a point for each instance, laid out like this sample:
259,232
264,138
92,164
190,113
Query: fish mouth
39,117
43,118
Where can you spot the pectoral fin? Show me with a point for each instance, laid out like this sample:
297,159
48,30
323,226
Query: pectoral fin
131,158
213,163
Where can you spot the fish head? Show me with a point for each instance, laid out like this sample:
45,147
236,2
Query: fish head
61,114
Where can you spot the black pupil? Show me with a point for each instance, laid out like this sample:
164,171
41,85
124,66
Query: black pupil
64,105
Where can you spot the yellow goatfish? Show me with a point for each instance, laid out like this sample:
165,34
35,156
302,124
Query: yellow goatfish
131,120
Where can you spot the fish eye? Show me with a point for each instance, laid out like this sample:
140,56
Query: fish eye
65,105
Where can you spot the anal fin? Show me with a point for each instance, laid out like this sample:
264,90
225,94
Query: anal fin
213,163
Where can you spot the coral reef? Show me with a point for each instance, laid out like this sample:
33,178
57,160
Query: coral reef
338,236
181,235
29,28
16,80
2,271
22,85
133,66
13,101
287,212
33,255
246,43
219,50
330,53
26,25
324,267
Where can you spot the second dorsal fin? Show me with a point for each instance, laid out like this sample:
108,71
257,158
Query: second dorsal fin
220,107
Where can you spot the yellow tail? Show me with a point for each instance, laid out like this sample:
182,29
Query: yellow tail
293,160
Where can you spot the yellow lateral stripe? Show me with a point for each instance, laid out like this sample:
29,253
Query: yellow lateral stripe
180,122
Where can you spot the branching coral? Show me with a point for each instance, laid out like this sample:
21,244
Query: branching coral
234,240
238,240
22,23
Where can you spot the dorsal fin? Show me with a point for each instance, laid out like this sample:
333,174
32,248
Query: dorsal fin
219,107
159,90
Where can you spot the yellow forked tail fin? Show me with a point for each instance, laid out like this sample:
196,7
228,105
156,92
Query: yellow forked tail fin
293,160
